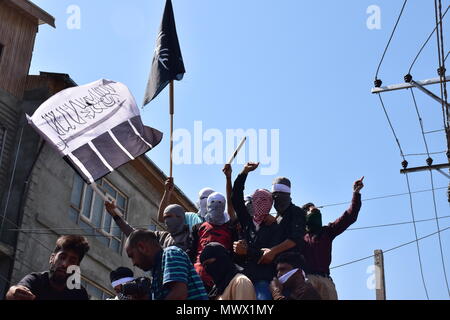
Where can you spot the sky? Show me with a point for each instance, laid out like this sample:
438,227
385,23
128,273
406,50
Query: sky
302,71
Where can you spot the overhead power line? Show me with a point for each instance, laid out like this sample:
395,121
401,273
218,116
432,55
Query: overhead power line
390,38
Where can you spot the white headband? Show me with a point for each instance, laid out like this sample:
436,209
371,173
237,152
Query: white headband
285,277
121,281
278,187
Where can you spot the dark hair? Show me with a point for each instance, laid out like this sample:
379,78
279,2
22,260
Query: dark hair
296,260
78,244
121,272
308,205
214,250
141,235
282,180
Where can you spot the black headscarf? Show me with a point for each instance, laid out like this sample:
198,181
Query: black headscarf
222,271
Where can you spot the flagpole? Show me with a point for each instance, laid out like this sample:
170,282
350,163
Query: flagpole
172,111
105,198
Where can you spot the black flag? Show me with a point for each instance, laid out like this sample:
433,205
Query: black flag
167,62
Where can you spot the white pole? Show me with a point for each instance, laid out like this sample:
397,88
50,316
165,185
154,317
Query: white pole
237,151
104,197
409,85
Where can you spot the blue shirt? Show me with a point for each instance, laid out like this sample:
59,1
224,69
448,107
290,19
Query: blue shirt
191,219
173,265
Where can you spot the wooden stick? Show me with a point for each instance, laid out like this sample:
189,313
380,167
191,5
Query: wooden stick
237,150
172,111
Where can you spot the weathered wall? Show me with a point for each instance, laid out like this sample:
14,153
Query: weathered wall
47,207
9,117
17,34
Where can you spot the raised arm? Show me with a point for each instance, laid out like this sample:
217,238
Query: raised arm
237,198
227,170
165,201
351,214
237,194
122,223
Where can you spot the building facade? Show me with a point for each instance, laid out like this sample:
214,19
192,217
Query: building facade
19,23
41,197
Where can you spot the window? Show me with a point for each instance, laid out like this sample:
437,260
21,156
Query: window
2,142
88,211
1,50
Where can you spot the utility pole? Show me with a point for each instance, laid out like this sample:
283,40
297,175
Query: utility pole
420,85
380,289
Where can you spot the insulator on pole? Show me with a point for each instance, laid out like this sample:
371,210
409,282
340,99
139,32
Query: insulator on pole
404,164
378,83
408,78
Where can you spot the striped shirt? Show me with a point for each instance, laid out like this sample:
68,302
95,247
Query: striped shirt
173,265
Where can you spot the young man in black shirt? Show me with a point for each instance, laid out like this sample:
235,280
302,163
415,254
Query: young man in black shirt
291,221
259,229
52,284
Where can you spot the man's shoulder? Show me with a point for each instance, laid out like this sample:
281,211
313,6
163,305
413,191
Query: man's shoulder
192,215
203,225
174,251
241,279
34,278
193,218
175,260
296,209
197,226
294,212
38,275
163,237
161,233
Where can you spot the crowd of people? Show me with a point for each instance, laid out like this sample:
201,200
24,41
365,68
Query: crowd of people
233,248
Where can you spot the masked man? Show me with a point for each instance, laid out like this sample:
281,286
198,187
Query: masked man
202,202
216,228
174,219
291,221
291,283
259,230
190,218
318,243
177,234
229,282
